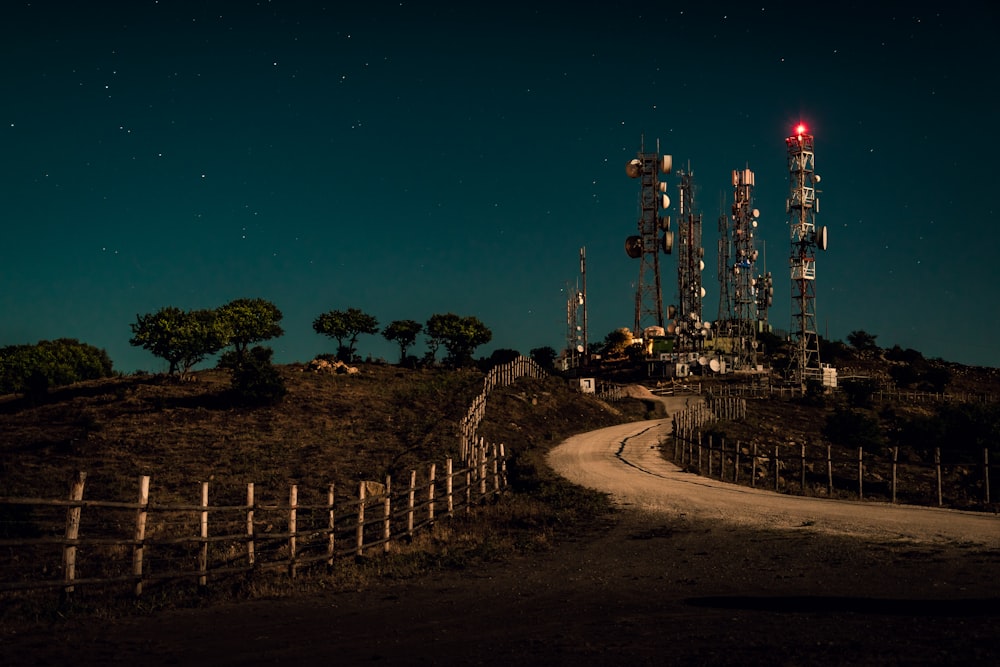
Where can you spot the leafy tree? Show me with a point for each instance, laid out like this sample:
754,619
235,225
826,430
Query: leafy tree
181,338
32,369
459,335
909,355
345,325
250,321
544,356
862,341
616,342
403,333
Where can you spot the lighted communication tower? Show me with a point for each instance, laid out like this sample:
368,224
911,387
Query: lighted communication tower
654,236
690,263
744,283
576,318
802,207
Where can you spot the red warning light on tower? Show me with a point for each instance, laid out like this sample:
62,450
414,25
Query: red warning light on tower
801,129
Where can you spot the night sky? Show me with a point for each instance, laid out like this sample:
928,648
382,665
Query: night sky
414,158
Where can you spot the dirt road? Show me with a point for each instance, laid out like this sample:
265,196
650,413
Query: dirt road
625,461
688,572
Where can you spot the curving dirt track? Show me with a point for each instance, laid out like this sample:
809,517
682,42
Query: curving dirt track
689,571
625,462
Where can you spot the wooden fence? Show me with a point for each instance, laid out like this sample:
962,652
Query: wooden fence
815,470
498,376
104,542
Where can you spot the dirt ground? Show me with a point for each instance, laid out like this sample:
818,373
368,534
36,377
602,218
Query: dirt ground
654,584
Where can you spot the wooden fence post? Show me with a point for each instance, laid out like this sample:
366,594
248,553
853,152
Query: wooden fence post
411,502
72,530
293,506
829,471
140,532
387,520
777,472
802,468
449,486
359,547
430,493
203,552
736,463
330,526
251,556
937,473
481,457
503,465
496,471
468,488
753,467
861,490
895,460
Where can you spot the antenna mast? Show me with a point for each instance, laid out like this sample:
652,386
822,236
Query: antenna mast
654,235
802,206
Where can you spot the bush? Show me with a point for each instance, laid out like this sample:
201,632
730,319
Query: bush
255,379
33,369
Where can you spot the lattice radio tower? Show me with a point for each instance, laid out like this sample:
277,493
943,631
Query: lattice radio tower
744,226
654,236
802,207
724,319
690,264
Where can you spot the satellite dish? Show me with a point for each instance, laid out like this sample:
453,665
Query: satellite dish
821,237
701,265
666,201
703,361
701,252
633,247
633,168
755,213
707,325
816,178
668,242
753,223
702,292
665,222
579,348
663,186
667,164
715,365
693,316
671,328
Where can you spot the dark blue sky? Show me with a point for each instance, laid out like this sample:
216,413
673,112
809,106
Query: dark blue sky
419,158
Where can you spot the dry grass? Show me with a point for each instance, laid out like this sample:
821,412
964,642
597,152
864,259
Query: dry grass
330,428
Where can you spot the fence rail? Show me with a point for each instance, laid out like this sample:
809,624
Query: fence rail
816,470
114,542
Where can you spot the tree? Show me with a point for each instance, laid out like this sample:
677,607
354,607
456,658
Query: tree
544,356
345,325
250,321
182,338
459,335
404,333
862,341
616,342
